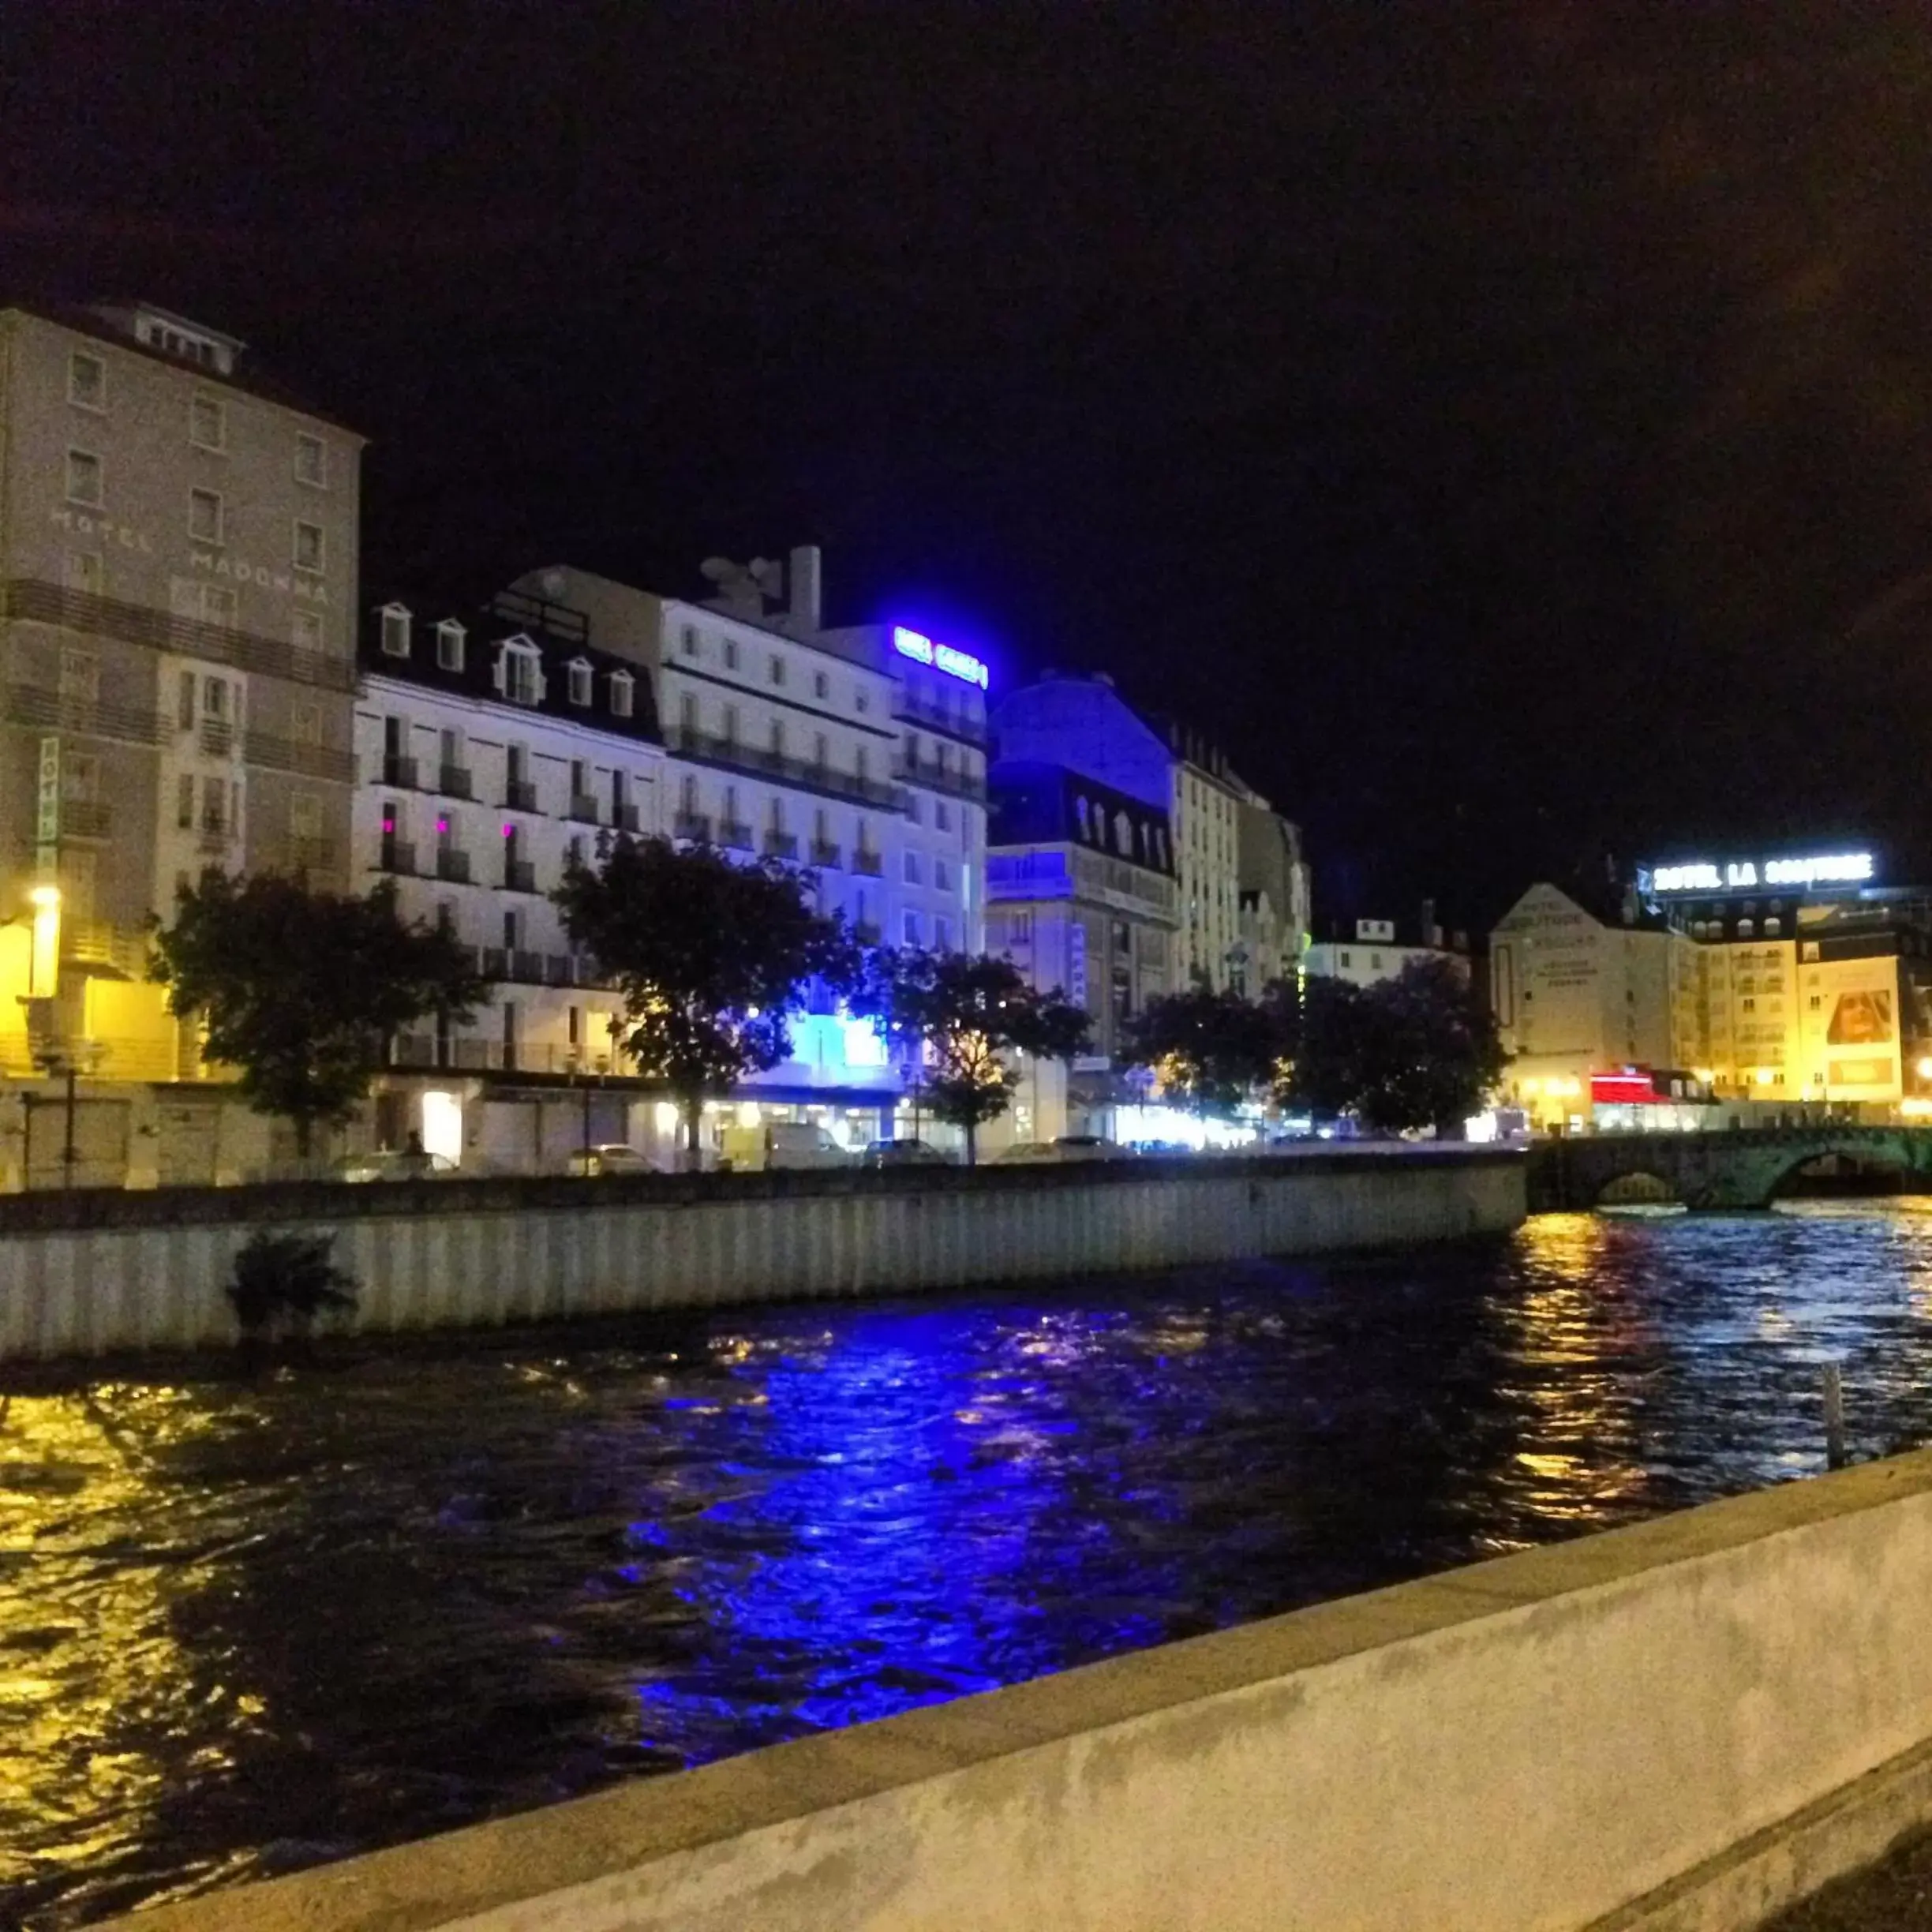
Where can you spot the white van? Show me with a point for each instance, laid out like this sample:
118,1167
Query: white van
782,1144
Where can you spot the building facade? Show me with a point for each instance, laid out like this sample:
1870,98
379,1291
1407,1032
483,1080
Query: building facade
1375,953
496,748
1082,898
176,656
1275,909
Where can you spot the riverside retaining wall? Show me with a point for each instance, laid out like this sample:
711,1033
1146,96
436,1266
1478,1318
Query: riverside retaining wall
1679,1725
87,1274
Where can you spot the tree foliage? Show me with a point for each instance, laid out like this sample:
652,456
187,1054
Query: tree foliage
713,959
300,990
282,1282
1411,1052
956,1020
1211,1051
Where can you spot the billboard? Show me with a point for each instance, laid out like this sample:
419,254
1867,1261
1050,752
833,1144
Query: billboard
1851,1024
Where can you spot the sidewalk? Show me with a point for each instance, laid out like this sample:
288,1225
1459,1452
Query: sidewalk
1893,1895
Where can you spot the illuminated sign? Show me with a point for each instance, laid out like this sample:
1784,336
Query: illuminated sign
941,657
1825,869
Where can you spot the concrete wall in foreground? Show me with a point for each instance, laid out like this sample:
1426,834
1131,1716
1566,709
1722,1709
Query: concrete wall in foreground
87,1275
1529,1745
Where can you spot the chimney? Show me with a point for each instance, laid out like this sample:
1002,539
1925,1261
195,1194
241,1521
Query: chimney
806,611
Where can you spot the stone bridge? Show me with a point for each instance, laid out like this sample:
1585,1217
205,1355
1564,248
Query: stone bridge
1741,1168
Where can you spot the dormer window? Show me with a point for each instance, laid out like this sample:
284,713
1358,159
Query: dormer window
580,681
449,636
622,686
395,631
519,672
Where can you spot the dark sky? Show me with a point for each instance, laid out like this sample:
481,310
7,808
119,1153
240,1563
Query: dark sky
1508,427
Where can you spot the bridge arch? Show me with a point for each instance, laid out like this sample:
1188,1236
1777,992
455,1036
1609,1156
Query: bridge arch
1636,1187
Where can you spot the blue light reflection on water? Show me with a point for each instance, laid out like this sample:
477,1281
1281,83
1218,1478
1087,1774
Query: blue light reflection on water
246,1627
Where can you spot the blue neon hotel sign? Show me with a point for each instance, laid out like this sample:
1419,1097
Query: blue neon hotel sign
941,657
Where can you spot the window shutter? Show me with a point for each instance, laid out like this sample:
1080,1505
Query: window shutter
499,671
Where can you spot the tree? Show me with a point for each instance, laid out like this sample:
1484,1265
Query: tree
713,959
1410,1052
957,1019
301,989
1210,1050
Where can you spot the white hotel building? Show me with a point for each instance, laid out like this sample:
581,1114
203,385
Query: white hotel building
491,747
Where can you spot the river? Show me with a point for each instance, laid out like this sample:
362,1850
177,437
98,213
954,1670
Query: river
246,1626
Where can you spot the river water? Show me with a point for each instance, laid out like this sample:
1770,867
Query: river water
246,1626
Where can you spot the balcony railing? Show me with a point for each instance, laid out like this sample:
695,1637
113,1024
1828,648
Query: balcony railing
306,855
465,1053
312,761
583,807
519,875
736,835
694,826
824,852
400,772
933,776
737,756
520,795
870,862
218,738
454,782
397,855
495,963
36,601
99,942
914,708
780,846
624,818
41,709
453,865
212,840
527,967
86,818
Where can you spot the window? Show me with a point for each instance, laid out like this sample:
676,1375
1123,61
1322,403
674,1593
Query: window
184,802
580,778
184,710
942,875
622,685
1020,928
574,853
217,604
308,545
87,381
1816,1002
1745,928
305,815
80,674
1749,1005
580,681
395,631
942,933
731,724
311,461
305,723
207,424
1348,959
688,643
821,684
306,631
449,636
83,572
778,738
81,777
203,516
909,926
911,868
687,715
942,815
862,700
730,653
914,810
83,478
519,672
822,751
775,670
1773,927
861,761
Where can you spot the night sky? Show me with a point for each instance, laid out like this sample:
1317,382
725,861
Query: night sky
1508,427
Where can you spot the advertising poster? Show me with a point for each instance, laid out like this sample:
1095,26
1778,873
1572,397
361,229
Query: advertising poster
1859,1043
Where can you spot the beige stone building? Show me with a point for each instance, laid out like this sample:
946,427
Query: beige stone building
177,593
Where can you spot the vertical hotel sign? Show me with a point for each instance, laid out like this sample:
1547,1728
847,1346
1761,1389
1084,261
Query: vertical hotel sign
46,830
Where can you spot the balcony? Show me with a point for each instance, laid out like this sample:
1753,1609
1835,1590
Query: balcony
218,738
86,818
306,855
527,967
866,933
400,772
624,818
312,761
931,776
212,842
98,942
870,862
454,781
738,836
520,795
824,853
736,756
398,855
914,708
694,826
495,963
519,875
583,808
559,969
780,846
453,865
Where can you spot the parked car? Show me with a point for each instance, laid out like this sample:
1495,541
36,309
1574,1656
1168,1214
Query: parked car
609,1157
903,1154
1065,1147
782,1144
1019,1152
395,1164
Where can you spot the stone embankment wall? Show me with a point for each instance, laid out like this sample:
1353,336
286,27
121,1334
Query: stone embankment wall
1682,1724
87,1274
